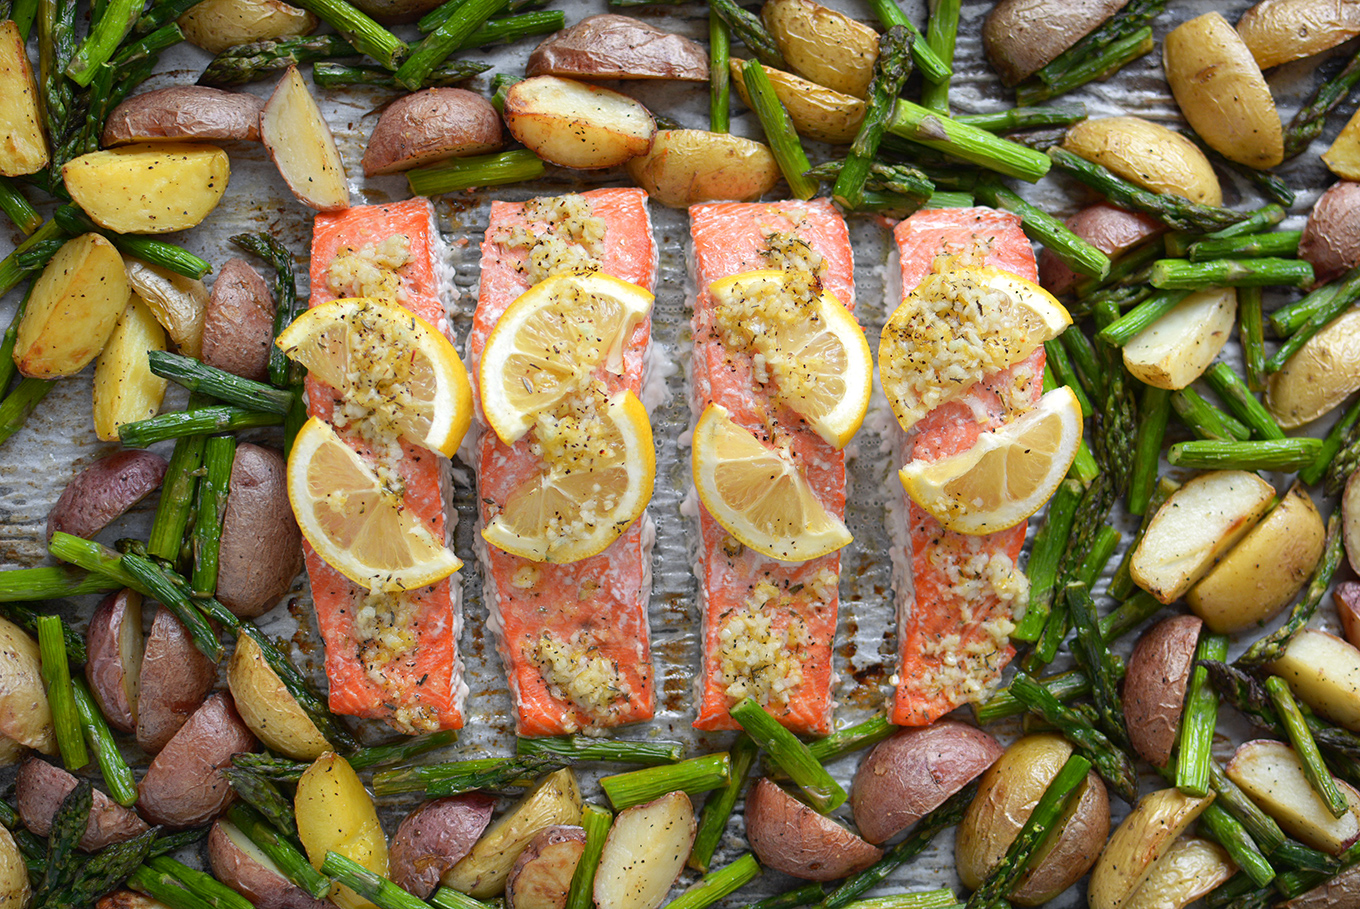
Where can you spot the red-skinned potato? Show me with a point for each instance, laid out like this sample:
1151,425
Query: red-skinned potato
102,492
38,791
1336,893
1331,238
1108,228
128,899
261,550
184,786
176,677
429,126
184,112
1347,600
434,837
114,645
573,124
610,46
541,876
788,836
239,863
1154,687
912,773
238,322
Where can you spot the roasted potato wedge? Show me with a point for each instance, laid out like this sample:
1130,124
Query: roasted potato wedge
336,814
1108,228
1021,37
1323,671
149,187
817,112
261,550
23,147
179,303
1336,893
1146,835
1350,520
1155,683
1320,375
39,789
1191,868
125,388
1262,574
434,837
1331,238
1342,157
184,112
555,799
216,25
686,166
644,853
238,322
788,836
573,124
267,708
609,46
25,716
184,785
1272,775
822,45
1278,31
72,309
1221,91
239,863
541,876
429,126
1176,349
100,493
1148,154
175,679
302,147
114,669
14,886
1194,527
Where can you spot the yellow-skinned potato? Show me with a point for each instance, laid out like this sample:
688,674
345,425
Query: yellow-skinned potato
1262,574
336,814
149,187
1323,671
1146,834
74,306
1342,157
686,166
1148,154
817,112
125,388
1176,349
267,707
1191,868
178,302
14,886
1221,91
556,799
1277,31
822,45
23,149
216,25
25,716
1319,376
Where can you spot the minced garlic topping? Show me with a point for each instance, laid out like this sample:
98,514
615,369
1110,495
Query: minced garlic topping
575,438
383,635
370,271
756,659
577,672
572,240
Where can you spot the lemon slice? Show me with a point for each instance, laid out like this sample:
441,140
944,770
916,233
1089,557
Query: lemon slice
1007,475
813,351
393,367
360,527
596,475
956,327
758,494
547,344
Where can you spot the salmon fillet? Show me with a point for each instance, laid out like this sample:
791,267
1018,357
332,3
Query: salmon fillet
955,604
574,638
764,622
415,685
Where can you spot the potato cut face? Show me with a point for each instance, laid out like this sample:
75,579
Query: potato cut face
302,147
1176,349
1146,835
1319,376
1196,525
74,306
1323,671
1272,775
644,853
1342,157
1191,868
149,187
817,112
23,149
336,814
573,124
125,388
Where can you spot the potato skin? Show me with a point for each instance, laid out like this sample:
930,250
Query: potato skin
1148,154
1144,836
1277,31
1007,795
1331,238
264,886
1336,893
1108,228
575,124
176,677
261,545
216,25
1021,37
823,45
106,489
38,791
541,876
335,813
15,888
1154,687
1319,376
25,715
184,786
688,166
610,46
1346,598
817,112
268,708
238,322
429,126
912,773
184,112
115,677
790,837
72,308
434,837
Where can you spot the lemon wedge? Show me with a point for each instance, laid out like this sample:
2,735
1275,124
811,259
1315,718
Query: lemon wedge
596,475
956,327
394,371
812,352
758,494
1007,475
354,521
550,341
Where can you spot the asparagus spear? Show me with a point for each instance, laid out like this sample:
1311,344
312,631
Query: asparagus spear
143,433
1270,454
923,54
108,31
1272,645
1251,334
149,249
1065,686
715,885
1110,762
280,850
1244,405
117,775
458,174
1133,17
1016,118
177,495
175,599
843,742
718,806
56,675
10,271
283,372
1044,557
1104,669
1320,306
1071,250
50,583
1126,271
941,34
219,384
1263,272
1304,746
218,455
968,143
250,62
16,406
369,885
751,31
789,754
1277,243
586,748
779,132
1341,435
805,895
68,826
18,208
1153,414
328,74
264,797
1110,61
508,29
695,775
464,776
1194,756
1205,420
1267,182
448,898
1307,124
1232,836
891,70
199,883
1056,358
359,29
719,73
596,821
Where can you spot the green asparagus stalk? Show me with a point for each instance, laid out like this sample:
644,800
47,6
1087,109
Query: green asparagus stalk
1307,124
1110,762
177,495
1316,323
719,73
50,584
1044,557
1130,614
1278,243
1263,272
464,776
443,41
1268,183
1272,645
1251,334
1114,58
1232,836
1262,828
448,898
1153,413
1065,686
718,806
1071,250
440,14
596,821
56,675
941,34
143,433
715,885
942,898
269,767
1346,462
1304,745
779,132
19,403
256,60
165,888
588,748
1104,669
1271,454
1133,17
200,883
700,774
23,12
857,737
1017,118
785,751
1318,307
1341,435
148,46
1102,550
508,29
1205,420
280,850
1199,720
949,200
68,827
149,249
1082,355
458,174
10,271
327,74
927,61
1126,271
264,797
360,30
805,895
118,778
1173,210
118,18
891,70
220,384
17,207
1056,358
751,31
211,507
369,885
932,130
283,372
176,599
1229,386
